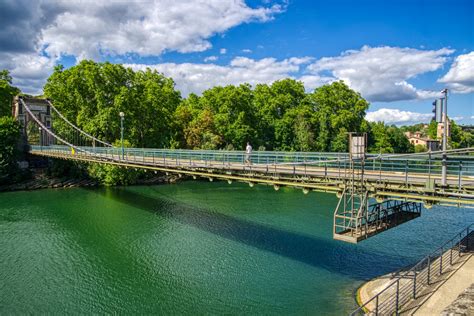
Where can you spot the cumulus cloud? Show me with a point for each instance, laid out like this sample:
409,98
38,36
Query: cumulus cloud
35,34
223,51
195,78
211,58
246,51
460,77
381,73
145,27
28,70
395,116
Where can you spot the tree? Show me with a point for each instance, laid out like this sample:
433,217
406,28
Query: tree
379,139
233,113
398,140
9,138
433,130
338,109
91,95
114,175
7,92
277,106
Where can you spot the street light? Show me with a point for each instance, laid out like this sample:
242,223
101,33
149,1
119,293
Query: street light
41,138
122,115
445,138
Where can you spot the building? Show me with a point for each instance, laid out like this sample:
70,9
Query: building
440,129
418,139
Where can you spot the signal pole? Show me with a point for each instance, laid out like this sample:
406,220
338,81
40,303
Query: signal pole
445,138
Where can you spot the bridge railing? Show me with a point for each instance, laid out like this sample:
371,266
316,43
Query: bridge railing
458,166
409,285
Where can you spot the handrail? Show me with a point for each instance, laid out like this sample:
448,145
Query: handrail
458,168
415,270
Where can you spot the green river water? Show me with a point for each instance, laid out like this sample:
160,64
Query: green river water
194,248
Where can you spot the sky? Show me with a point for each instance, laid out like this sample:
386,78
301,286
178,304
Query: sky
398,54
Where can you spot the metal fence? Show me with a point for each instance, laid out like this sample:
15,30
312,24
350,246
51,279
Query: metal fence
409,285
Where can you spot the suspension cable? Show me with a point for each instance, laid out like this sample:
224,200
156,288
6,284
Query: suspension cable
77,128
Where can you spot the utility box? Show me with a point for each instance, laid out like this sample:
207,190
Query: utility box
357,145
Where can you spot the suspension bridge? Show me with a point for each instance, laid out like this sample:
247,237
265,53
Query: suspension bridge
376,192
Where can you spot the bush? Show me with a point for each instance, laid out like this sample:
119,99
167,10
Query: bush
9,138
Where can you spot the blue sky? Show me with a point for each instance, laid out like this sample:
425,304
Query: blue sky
397,54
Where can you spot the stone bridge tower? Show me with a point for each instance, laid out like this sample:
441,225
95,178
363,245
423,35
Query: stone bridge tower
42,110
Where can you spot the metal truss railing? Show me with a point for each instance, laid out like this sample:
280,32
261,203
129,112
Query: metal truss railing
459,166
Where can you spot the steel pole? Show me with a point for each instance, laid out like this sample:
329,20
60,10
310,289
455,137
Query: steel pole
121,136
445,138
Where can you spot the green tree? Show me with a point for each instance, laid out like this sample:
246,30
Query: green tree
277,106
420,148
114,175
338,109
233,113
379,139
433,130
9,138
7,92
399,141
91,95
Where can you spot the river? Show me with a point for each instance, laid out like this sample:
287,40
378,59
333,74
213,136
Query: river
194,248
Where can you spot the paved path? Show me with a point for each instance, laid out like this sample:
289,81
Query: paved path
449,290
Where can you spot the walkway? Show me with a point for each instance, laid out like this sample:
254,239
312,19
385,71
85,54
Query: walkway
448,289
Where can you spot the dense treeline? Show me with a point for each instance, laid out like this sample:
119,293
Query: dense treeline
280,116
9,131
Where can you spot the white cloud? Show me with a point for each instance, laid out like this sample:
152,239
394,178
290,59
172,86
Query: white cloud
460,78
144,27
199,77
34,35
381,73
211,58
223,51
395,116
28,70
246,51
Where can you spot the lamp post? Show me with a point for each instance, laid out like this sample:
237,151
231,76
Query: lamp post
41,138
445,138
122,115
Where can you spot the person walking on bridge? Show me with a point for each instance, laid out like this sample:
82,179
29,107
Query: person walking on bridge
248,153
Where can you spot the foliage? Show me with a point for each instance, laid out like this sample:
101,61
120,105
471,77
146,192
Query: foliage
388,139
460,138
91,95
114,175
420,148
9,138
67,169
7,92
379,140
280,116
433,130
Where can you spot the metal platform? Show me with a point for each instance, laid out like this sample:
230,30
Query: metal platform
355,225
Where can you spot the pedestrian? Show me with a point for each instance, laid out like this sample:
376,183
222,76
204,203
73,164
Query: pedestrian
248,153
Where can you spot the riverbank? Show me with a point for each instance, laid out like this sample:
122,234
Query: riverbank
41,180
453,291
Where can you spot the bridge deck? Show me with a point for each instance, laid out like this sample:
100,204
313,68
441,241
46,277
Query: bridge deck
424,187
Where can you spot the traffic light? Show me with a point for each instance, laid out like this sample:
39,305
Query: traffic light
438,110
